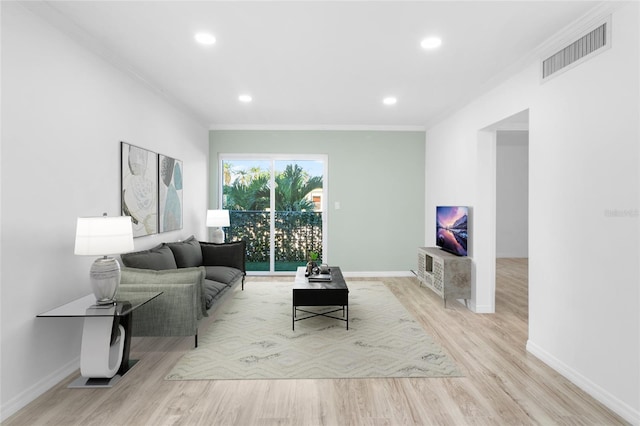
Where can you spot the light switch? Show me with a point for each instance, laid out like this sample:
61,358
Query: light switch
337,204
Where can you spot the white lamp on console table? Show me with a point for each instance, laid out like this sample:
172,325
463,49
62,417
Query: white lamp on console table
101,236
217,219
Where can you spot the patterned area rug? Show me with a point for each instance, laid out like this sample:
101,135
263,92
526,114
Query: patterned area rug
251,338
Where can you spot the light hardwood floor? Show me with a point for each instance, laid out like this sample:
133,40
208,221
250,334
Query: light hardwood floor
503,384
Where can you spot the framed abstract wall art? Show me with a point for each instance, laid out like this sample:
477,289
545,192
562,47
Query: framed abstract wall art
169,193
139,188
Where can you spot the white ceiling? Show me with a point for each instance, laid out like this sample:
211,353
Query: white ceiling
315,63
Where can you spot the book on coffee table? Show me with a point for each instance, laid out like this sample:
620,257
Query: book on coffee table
319,277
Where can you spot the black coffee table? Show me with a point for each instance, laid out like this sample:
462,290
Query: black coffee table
332,293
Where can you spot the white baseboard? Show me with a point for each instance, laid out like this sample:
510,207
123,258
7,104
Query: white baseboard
481,309
21,400
622,409
377,274
366,274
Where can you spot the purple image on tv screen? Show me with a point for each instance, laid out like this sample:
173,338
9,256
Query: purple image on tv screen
451,229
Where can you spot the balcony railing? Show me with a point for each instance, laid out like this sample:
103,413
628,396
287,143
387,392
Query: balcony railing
296,234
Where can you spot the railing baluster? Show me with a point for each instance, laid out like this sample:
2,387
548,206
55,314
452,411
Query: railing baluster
297,233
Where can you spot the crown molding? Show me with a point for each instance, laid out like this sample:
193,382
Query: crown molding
315,127
47,11
570,32
576,29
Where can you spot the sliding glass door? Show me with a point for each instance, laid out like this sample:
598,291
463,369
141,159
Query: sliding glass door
276,205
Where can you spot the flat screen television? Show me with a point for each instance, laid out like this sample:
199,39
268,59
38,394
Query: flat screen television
451,229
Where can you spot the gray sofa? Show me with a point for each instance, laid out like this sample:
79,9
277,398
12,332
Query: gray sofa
195,278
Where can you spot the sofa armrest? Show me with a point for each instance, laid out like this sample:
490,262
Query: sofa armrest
226,254
172,313
172,280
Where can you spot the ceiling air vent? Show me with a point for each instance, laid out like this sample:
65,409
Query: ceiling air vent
577,50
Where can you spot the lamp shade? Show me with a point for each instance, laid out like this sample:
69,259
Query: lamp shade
217,218
100,236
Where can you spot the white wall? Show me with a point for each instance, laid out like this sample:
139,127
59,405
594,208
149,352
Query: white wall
512,193
460,170
359,176
584,301
64,113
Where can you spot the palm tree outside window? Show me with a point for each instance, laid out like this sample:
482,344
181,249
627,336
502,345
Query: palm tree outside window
276,206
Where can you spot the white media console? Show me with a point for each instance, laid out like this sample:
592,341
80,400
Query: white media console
448,275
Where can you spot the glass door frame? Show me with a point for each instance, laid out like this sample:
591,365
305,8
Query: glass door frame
272,158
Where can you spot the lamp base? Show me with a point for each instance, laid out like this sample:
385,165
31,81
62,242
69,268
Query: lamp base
104,277
217,235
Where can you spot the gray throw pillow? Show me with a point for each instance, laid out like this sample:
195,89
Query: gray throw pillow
187,253
158,258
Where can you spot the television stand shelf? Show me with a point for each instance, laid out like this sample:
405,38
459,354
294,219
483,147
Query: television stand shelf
448,275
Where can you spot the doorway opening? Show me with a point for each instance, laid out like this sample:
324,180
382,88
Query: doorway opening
503,223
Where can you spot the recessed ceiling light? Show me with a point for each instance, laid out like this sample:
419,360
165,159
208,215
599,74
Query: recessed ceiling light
205,38
389,100
245,98
431,43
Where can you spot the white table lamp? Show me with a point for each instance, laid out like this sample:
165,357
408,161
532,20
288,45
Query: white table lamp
101,236
217,219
